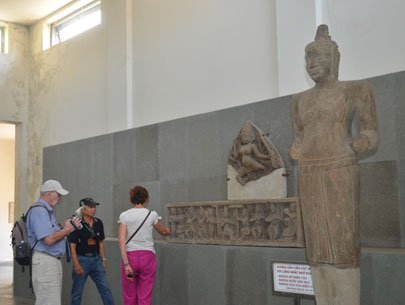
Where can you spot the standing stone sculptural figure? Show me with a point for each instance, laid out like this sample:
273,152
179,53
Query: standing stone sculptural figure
328,178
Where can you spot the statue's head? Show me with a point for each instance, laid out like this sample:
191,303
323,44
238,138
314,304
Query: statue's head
322,56
247,134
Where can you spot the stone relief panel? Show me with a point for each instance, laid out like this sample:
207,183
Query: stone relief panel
240,222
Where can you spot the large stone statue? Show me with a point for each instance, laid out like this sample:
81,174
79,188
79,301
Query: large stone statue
328,172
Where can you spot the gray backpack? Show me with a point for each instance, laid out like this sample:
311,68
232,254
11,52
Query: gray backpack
19,239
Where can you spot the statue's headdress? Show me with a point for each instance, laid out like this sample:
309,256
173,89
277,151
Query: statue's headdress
324,41
248,128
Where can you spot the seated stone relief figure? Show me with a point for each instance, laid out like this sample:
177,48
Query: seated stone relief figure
291,212
212,223
181,227
191,223
274,220
245,223
228,225
172,220
328,176
202,226
288,229
253,155
257,222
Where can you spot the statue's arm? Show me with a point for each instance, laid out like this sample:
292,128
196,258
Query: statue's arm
297,129
366,115
258,154
234,153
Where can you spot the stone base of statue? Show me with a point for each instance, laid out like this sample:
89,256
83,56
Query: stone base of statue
335,286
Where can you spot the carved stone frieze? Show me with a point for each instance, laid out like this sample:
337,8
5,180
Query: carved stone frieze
273,222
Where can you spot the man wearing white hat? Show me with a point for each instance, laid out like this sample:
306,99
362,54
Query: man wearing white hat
48,242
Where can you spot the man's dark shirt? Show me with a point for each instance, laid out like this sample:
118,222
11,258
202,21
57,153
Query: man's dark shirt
81,237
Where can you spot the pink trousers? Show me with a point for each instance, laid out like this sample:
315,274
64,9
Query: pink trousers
139,292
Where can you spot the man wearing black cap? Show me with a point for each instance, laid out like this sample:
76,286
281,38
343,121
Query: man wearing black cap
88,254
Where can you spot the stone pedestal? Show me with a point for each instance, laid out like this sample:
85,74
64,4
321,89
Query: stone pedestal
273,185
335,286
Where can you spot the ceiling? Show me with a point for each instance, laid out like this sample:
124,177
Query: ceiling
27,12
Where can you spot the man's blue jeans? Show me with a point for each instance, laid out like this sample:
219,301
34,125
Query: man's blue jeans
92,267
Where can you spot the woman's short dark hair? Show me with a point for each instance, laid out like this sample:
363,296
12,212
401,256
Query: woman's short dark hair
138,195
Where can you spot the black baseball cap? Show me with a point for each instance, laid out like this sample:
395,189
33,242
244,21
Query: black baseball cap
88,201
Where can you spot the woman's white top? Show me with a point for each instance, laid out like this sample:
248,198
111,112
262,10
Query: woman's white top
132,218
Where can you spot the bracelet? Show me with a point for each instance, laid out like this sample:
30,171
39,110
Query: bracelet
104,259
126,264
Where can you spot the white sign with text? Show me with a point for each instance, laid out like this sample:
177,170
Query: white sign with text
292,278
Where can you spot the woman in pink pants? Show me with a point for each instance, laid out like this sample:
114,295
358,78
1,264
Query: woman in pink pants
138,253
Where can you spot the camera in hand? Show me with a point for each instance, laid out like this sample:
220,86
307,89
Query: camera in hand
72,219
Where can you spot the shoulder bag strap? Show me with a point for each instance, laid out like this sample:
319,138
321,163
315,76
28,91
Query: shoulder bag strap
138,228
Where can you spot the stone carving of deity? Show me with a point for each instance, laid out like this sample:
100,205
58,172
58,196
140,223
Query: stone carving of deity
253,155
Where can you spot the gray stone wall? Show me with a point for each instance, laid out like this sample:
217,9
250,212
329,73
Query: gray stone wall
185,160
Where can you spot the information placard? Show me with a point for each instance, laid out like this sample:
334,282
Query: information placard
292,278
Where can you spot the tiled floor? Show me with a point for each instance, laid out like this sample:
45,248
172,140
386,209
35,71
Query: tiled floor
6,287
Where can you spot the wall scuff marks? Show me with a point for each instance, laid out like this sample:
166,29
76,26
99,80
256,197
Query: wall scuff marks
43,78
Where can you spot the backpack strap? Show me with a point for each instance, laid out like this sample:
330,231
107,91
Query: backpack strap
19,228
26,215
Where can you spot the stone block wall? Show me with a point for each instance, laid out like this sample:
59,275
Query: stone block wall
185,160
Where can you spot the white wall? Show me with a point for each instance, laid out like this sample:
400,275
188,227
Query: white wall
197,56
69,89
296,23
370,35
7,162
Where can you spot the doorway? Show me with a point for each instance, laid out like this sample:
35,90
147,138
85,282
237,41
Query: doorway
7,196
